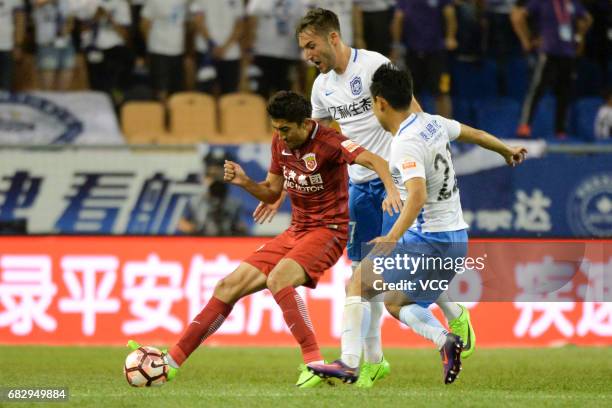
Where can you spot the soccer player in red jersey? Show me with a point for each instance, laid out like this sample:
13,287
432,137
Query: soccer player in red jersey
310,162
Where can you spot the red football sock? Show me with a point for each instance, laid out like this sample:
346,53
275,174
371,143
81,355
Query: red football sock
298,321
201,327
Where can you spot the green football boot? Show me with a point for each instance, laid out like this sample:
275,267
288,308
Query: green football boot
307,379
462,327
133,345
372,372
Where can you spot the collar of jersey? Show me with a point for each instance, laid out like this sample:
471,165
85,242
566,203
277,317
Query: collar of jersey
406,123
352,60
312,136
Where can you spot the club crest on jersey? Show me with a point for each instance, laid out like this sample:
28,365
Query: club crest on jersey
310,160
356,86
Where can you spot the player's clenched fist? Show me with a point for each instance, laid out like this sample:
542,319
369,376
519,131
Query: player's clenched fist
233,173
515,155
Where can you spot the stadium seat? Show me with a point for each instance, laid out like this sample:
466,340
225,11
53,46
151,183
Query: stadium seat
463,111
498,116
517,77
193,117
143,122
243,118
584,113
543,125
471,80
589,76
427,102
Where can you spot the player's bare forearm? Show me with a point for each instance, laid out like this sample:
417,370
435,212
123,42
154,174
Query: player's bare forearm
379,165
267,191
263,191
513,155
417,196
482,139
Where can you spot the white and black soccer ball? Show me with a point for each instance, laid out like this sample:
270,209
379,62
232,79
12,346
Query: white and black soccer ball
145,367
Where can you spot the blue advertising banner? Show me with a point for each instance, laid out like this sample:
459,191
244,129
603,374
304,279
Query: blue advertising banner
93,191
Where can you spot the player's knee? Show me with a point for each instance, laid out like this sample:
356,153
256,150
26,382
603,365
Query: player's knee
275,282
353,287
393,309
225,291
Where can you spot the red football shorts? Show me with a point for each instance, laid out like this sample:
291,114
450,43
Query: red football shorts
315,250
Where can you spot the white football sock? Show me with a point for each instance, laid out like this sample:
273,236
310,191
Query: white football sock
372,345
423,322
171,361
355,321
450,309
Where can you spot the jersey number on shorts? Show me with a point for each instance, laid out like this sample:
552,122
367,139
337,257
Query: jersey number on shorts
445,192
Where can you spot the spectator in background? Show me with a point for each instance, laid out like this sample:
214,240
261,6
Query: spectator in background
502,42
55,55
562,26
427,45
139,45
598,42
12,34
104,40
377,16
471,22
219,27
350,17
603,121
163,25
213,213
272,32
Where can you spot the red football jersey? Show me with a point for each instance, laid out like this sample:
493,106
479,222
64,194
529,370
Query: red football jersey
316,177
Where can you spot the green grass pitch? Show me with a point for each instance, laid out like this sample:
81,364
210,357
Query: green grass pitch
264,377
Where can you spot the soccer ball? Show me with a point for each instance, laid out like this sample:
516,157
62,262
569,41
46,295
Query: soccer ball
145,367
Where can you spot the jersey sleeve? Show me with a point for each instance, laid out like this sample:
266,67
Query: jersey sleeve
411,161
453,128
275,167
318,109
342,149
377,61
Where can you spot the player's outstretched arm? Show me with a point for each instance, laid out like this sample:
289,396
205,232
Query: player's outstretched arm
393,202
513,155
267,191
417,196
266,212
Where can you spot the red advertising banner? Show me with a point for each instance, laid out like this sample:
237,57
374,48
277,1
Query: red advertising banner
106,290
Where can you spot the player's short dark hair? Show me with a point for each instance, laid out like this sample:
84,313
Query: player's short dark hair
289,106
393,84
320,20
